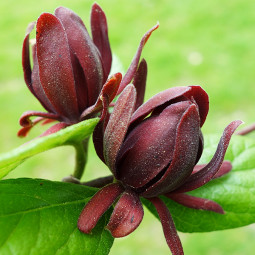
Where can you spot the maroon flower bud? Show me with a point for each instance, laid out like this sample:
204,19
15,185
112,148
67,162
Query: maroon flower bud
153,151
70,69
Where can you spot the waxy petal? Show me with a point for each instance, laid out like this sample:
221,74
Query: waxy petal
225,168
26,59
133,66
208,172
172,238
55,128
25,121
246,130
196,202
83,47
55,68
140,82
184,158
195,92
97,206
148,148
99,32
109,90
118,124
127,215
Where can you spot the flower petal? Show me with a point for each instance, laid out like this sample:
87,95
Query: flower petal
225,168
196,202
118,124
140,82
148,148
55,66
97,206
26,59
85,50
109,90
55,128
208,172
127,215
172,238
99,32
133,66
195,92
184,157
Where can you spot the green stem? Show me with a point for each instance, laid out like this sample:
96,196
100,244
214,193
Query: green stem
81,158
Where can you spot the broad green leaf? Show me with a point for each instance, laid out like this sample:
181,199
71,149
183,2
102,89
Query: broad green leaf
235,192
39,217
68,136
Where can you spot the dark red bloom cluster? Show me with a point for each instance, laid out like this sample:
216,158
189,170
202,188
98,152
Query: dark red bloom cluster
153,150
70,69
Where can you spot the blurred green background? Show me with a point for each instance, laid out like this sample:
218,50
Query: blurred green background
209,43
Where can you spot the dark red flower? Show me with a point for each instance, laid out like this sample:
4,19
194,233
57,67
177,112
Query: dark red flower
154,151
70,69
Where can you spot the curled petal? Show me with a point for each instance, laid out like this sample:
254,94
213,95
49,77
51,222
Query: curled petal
23,132
133,66
55,68
99,32
109,90
208,172
118,124
25,117
225,168
127,215
196,202
172,238
140,82
97,206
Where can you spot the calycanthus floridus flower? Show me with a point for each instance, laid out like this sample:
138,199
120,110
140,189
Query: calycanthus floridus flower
70,69
153,150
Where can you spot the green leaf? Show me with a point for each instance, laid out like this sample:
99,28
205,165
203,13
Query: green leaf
39,217
235,192
68,136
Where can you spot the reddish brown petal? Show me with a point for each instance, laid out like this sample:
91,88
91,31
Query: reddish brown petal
184,158
202,100
172,238
118,124
196,202
37,87
140,82
23,132
133,66
55,128
191,92
55,66
97,206
225,168
25,121
208,172
246,130
99,32
109,90
158,100
85,50
127,215
148,148
26,59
